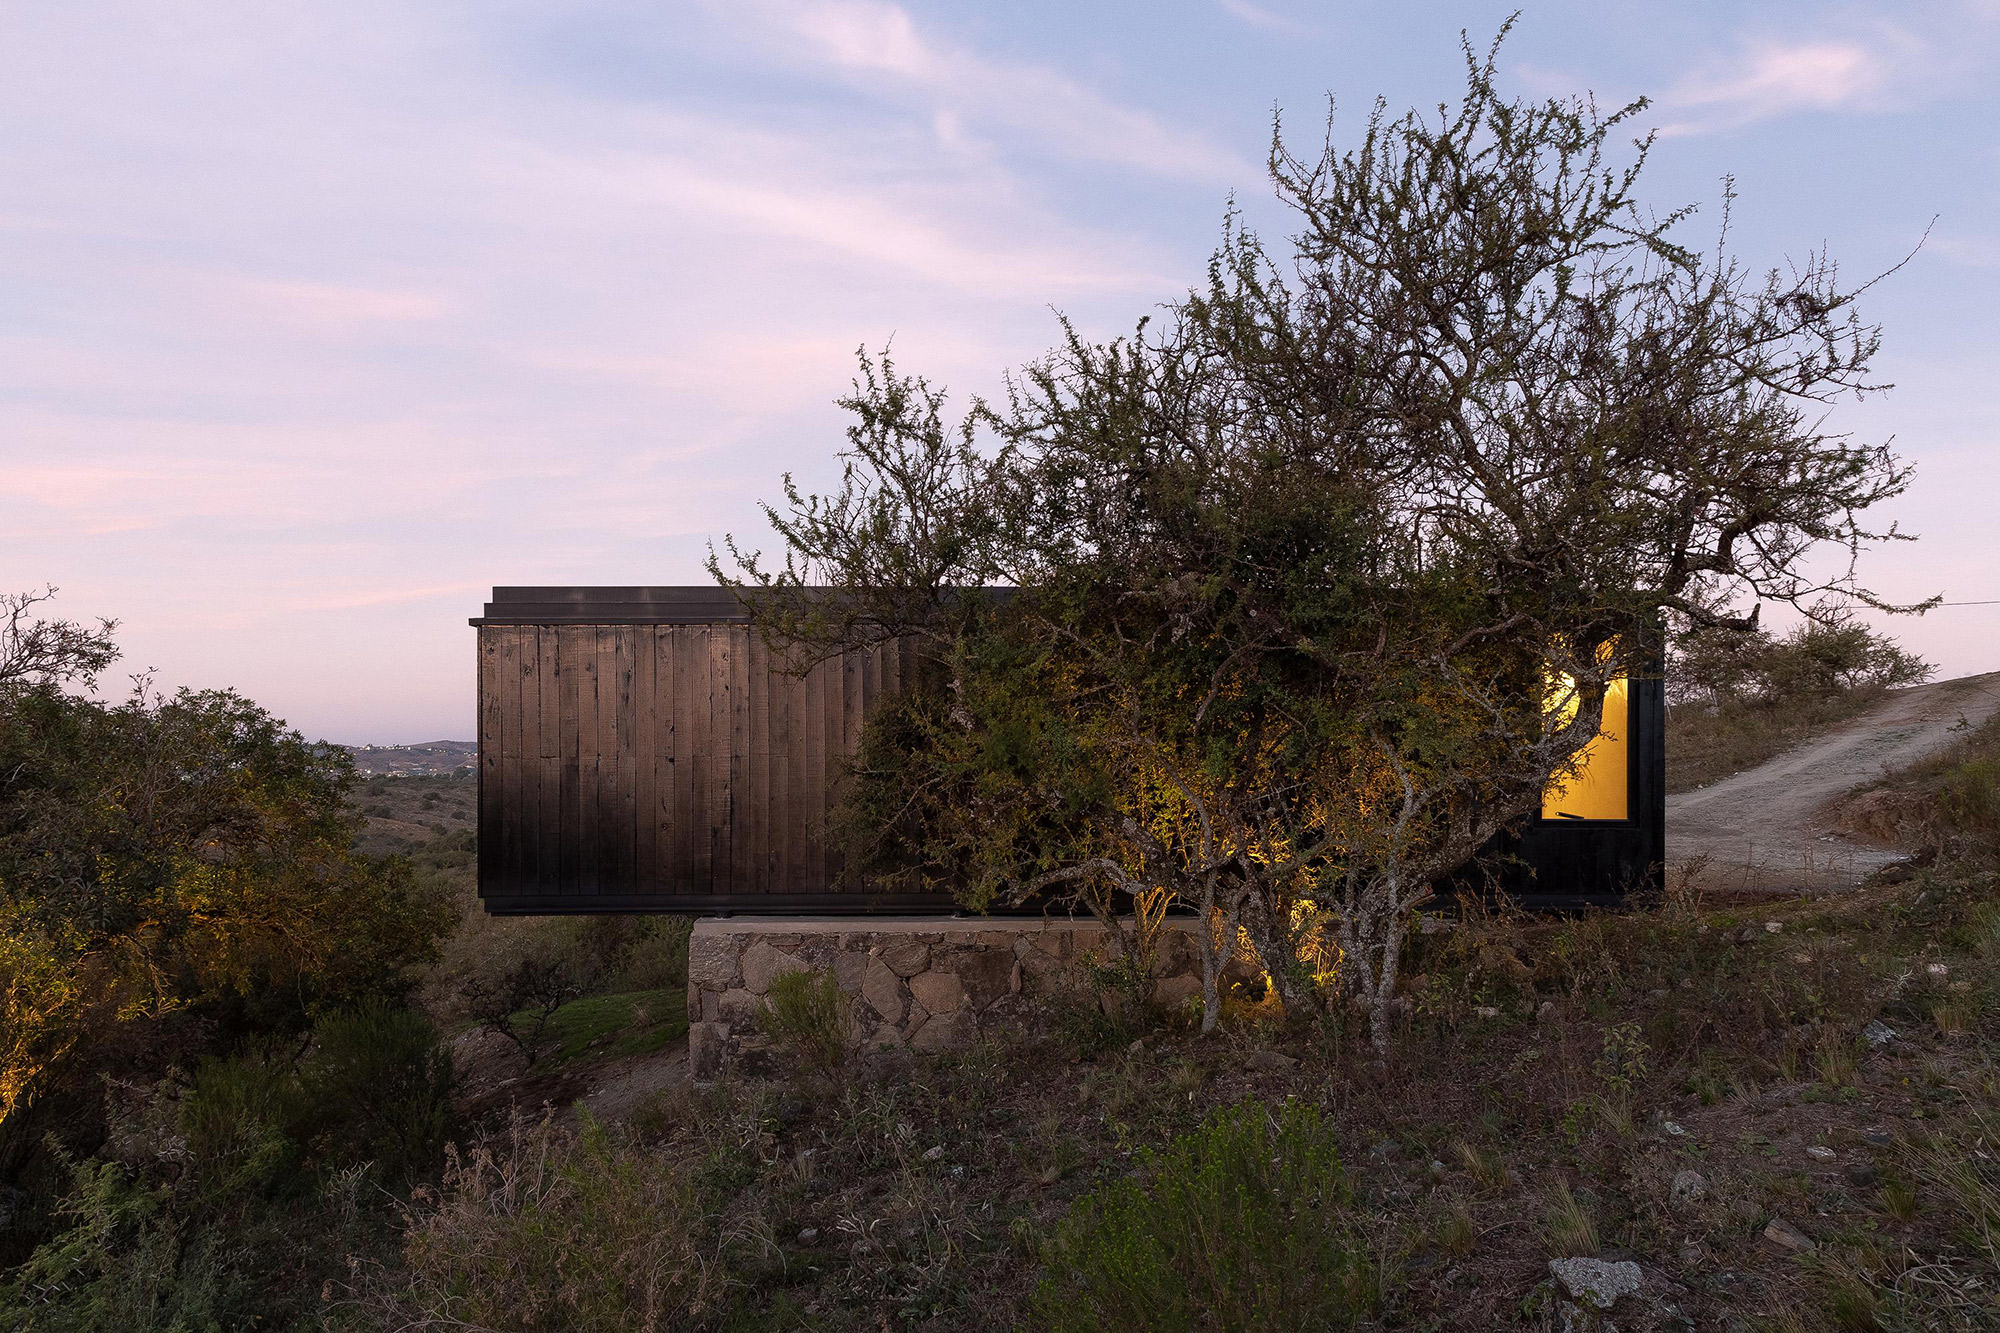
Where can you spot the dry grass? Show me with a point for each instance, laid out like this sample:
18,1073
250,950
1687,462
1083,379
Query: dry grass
552,1227
1569,1225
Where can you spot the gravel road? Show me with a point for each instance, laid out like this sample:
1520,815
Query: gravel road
1759,827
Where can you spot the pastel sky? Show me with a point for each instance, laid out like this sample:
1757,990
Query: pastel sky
316,319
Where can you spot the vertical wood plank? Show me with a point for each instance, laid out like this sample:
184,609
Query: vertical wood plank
616,733
700,711
581,787
812,784
590,732
839,686
726,755
645,759
759,827
679,856
892,668
529,745
782,749
871,690
489,758
513,837
548,752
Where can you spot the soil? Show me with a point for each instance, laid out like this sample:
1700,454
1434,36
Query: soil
1768,825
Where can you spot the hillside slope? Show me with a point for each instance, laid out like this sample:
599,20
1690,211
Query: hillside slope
1761,828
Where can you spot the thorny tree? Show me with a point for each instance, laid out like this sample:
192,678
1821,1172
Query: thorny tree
1319,581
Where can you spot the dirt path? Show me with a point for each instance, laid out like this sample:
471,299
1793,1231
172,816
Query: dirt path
1758,827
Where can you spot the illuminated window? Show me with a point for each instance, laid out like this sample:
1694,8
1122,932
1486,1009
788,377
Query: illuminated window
1598,791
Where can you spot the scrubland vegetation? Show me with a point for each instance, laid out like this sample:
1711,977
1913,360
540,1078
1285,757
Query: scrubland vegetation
1660,1085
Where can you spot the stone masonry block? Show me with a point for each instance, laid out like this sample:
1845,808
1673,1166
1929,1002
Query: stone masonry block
712,962
987,974
938,992
761,963
708,1046
905,957
946,1032
848,969
736,1007
883,990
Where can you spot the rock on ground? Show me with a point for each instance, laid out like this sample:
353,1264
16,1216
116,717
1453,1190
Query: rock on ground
1597,1283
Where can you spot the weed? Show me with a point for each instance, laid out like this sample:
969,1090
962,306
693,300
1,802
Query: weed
1614,1109
1963,1172
1852,1304
1833,1059
1488,1172
235,1119
1710,1079
557,1229
1954,1016
1242,1224
1456,1233
1568,1228
806,1011
378,1088
1621,1063
1898,1199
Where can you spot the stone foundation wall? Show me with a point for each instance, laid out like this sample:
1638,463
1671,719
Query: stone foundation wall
921,983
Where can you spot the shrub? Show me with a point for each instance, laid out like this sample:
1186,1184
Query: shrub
122,1263
237,1118
1969,796
806,1011
556,1228
650,953
379,1087
1242,1224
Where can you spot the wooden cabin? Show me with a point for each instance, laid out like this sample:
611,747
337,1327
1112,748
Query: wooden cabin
639,751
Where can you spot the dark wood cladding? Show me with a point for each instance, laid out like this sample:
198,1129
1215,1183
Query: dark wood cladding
640,751
650,764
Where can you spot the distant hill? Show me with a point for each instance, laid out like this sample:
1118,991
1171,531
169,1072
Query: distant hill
430,759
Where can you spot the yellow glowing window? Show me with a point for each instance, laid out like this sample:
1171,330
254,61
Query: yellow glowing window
1598,790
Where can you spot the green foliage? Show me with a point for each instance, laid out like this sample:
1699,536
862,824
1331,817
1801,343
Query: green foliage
1242,1225
123,1262
377,1086
612,1026
242,1229
1832,652
537,982
180,852
1968,792
806,1011
240,1118
1569,1226
1740,697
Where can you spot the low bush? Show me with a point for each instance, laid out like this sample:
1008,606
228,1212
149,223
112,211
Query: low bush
807,1013
378,1088
578,1230
1739,699
239,1118
1968,797
124,1262
1242,1224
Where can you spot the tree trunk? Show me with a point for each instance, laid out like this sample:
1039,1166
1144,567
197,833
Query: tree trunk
1278,952
1215,954
1383,999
